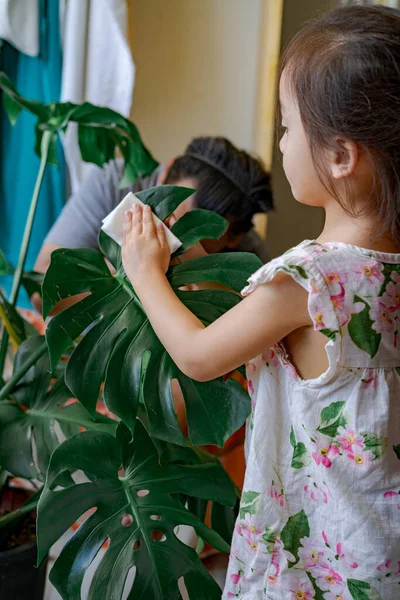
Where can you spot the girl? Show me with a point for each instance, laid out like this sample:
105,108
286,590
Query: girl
320,510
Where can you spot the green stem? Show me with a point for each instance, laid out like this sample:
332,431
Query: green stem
4,392
44,152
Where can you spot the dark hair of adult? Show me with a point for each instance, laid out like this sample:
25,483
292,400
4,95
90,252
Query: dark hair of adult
343,70
229,181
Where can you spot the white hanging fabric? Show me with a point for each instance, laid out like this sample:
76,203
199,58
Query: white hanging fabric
97,65
19,24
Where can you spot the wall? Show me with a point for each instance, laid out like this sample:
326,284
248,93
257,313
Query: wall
196,64
292,222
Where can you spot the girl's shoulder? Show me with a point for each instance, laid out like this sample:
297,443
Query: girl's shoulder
354,296
328,263
298,262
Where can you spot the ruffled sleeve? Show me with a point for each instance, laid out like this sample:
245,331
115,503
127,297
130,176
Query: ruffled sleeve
301,263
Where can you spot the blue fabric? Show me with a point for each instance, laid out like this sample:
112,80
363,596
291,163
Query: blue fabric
37,78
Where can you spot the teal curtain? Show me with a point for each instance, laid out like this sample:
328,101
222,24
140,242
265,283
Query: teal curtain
37,78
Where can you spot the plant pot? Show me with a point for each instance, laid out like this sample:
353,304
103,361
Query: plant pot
19,578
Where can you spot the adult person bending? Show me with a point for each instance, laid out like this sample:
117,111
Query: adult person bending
227,180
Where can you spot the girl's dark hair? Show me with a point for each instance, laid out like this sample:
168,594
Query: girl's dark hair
344,72
229,181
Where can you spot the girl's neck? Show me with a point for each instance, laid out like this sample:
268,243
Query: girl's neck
341,227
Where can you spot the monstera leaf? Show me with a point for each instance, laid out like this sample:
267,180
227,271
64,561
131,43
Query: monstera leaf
4,268
12,320
100,131
28,422
120,346
137,510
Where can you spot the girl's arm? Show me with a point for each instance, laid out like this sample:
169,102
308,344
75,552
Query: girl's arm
265,317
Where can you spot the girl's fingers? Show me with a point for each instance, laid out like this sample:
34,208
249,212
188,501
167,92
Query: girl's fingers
137,221
127,225
162,239
149,227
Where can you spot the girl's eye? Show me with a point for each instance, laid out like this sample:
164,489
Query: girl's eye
283,129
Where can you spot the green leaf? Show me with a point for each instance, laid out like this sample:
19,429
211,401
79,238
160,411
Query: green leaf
12,320
197,225
96,145
295,529
268,538
292,438
136,510
398,370
332,417
361,332
362,591
329,333
13,99
4,267
29,421
300,270
319,594
231,269
119,337
32,282
164,199
108,130
249,503
376,444
301,457
397,450
223,519
12,109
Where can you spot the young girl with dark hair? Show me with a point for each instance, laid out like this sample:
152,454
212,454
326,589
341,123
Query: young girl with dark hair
320,510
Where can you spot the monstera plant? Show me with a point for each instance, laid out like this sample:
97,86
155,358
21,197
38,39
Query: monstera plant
135,479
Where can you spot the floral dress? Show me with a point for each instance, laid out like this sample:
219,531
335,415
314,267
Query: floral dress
320,511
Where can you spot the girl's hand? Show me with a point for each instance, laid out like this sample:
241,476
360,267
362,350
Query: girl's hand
145,250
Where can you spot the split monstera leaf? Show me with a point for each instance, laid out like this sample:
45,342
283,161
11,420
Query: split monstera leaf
119,346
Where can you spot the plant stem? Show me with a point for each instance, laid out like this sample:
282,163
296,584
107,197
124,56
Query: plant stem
4,392
44,152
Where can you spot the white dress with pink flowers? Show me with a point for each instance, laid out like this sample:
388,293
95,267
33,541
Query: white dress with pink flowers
320,511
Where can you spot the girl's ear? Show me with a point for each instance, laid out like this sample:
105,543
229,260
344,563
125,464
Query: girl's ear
344,159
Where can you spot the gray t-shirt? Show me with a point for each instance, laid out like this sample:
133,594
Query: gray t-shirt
80,221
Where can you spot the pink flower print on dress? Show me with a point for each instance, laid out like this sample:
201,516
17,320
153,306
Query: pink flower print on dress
359,457
289,367
319,492
279,556
250,386
324,452
334,277
236,577
370,272
382,317
348,438
317,314
311,553
328,579
250,533
276,495
347,560
270,358
393,494
345,306
389,568
300,587
391,297
250,366
370,379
